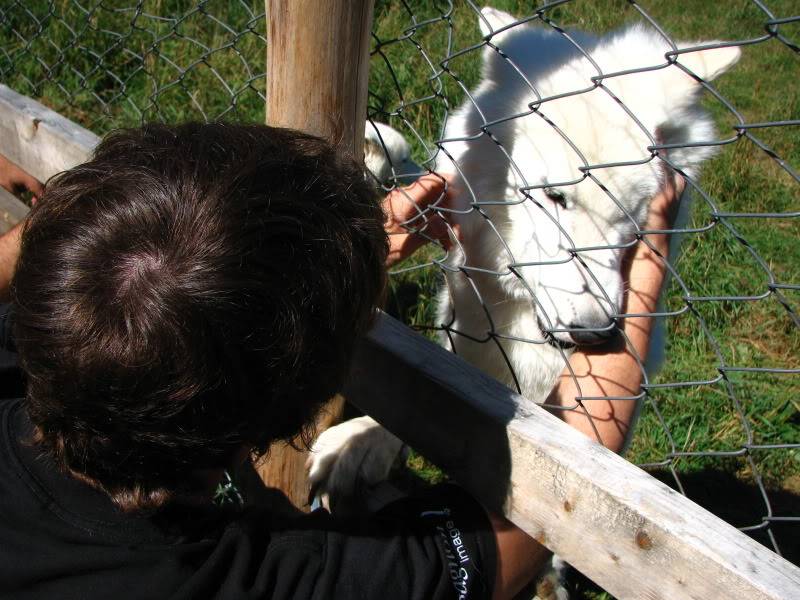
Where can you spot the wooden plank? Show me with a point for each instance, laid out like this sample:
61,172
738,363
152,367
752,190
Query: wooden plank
12,210
38,139
631,534
317,72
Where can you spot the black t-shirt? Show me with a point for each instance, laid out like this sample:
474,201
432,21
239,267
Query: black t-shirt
60,538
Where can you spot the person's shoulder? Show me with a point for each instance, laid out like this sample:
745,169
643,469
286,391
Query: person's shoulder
437,544
434,544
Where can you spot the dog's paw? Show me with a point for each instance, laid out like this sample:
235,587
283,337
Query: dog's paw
348,459
551,582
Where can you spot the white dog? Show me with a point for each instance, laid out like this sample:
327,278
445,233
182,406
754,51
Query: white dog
544,219
540,260
387,154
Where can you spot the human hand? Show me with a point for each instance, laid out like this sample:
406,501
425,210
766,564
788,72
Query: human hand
15,180
411,218
9,252
645,261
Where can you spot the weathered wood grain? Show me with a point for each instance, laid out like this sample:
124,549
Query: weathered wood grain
317,72
38,139
631,534
318,68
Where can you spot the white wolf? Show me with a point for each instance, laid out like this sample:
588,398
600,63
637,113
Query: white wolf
542,267
544,220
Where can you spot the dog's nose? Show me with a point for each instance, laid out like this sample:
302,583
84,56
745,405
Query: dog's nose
600,334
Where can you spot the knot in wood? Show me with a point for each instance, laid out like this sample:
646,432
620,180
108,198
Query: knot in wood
643,540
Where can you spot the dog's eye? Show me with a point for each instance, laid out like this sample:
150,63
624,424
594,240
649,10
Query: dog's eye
556,196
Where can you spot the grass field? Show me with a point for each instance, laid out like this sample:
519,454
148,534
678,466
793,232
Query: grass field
191,65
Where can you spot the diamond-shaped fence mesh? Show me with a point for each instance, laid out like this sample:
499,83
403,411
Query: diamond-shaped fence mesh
112,64
719,419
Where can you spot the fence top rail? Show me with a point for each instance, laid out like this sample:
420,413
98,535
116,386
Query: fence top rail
624,529
38,139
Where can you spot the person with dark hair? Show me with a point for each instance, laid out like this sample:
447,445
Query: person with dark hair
190,290
184,299
187,297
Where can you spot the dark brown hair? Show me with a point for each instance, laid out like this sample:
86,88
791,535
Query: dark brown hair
191,289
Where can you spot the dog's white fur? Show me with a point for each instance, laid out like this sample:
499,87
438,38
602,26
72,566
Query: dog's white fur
519,269
523,273
387,154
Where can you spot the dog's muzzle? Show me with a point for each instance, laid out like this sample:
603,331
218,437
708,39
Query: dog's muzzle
582,336
595,336
552,339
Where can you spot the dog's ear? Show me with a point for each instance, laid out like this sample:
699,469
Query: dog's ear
636,47
491,19
679,88
682,121
710,63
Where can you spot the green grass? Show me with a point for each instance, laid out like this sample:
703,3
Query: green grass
111,66
105,81
754,334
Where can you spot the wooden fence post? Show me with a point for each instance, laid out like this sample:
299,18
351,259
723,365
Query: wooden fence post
317,71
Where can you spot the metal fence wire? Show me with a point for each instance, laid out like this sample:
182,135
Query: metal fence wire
118,63
720,418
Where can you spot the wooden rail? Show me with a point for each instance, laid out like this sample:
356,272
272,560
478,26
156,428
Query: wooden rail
38,139
631,534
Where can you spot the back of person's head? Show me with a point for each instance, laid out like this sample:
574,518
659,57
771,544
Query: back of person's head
190,290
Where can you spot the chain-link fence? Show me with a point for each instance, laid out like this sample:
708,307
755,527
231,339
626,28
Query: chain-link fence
117,63
720,418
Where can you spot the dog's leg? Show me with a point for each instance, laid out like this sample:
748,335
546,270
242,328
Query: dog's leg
348,459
